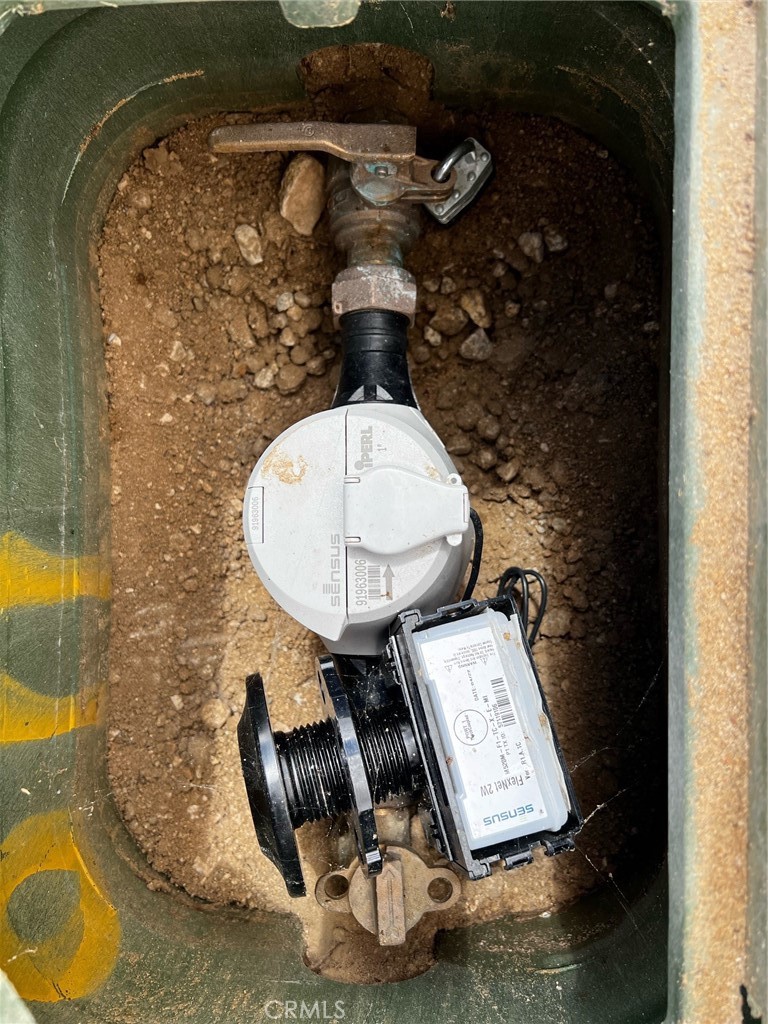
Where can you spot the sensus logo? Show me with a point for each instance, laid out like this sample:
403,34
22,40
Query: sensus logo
510,815
291,1009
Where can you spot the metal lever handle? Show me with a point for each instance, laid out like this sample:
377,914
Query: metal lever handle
385,167
355,143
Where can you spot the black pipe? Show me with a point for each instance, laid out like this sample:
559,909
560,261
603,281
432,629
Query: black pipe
374,365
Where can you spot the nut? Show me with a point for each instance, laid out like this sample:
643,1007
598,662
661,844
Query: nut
374,286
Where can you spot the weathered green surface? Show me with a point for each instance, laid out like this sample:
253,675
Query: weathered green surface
81,92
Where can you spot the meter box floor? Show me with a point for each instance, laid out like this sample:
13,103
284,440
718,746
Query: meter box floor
421,776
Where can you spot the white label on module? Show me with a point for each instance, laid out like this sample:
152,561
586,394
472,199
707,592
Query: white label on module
484,732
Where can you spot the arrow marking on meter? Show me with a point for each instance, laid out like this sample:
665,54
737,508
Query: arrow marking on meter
388,576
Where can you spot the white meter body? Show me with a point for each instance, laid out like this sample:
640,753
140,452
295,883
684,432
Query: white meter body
354,515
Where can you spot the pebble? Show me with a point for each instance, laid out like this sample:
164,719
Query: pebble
499,269
448,286
536,478
238,329
449,319
166,418
421,354
557,623
507,471
316,366
485,458
114,339
431,284
611,291
300,355
250,244
214,713
264,379
290,378
302,193
459,444
468,414
288,337
141,199
177,700
532,244
477,347
284,301
489,428
554,239
206,392
432,337
472,302
511,309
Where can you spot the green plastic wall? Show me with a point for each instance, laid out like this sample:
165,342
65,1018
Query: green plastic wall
82,90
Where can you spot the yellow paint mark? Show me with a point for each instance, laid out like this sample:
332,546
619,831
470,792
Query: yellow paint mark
28,715
29,575
47,970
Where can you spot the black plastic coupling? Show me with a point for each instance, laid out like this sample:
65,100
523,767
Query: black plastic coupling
347,763
374,363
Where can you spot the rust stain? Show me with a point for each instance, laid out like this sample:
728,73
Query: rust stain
282,466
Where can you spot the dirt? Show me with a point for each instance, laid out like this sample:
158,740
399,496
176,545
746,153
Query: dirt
556,435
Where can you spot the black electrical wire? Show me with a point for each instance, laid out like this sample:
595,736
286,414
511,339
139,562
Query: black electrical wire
477,555
514,578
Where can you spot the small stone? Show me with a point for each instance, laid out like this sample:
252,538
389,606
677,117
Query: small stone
195,239
511,309
316,366
611,291
468,414
489,428
472,302
477,347
141,199
264,379
288,337
507,471
114,339
156,158
290,378
232,391
302,193
432,337
206,392
485,458
177,700
532,244
459,444
421,354
449,319
499,269
560,473
238,281
214,713
166,418
300,355
238,329
557,623
431,284
554,239
250,244
284,301
536,478
448,286
178,352
302,300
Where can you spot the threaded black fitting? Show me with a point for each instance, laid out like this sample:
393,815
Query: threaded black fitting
313,774
374,365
